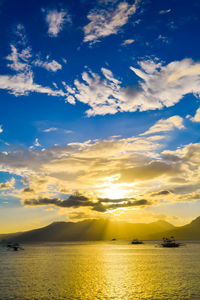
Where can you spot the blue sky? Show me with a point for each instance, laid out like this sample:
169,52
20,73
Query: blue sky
101,99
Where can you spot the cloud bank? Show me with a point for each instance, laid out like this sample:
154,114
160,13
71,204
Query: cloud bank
136,168
78,200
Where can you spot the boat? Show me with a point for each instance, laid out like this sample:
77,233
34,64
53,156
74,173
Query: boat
170,243
14,246
136,242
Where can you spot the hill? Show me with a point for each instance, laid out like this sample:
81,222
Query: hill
104,229
189,231
90,230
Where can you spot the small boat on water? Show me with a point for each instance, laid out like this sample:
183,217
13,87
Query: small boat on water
136,242
14,246
170,243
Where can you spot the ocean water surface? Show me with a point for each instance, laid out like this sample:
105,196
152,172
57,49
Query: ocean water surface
100,270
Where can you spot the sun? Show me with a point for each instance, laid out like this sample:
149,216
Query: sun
113,190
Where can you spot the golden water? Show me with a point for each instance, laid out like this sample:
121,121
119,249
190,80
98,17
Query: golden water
100,270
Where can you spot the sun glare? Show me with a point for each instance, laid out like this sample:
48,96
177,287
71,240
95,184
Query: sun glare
112,190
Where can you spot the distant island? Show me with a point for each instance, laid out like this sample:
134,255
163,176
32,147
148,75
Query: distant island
104,229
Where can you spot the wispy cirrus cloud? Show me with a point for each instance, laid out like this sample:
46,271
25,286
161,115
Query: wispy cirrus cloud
165,11
163,39
51,129
104,22
55,20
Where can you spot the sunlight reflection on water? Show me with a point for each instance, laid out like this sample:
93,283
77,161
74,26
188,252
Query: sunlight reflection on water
100,270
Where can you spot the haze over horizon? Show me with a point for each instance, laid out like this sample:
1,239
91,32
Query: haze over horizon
100,114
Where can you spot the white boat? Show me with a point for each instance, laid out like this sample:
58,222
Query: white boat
136,242
170,243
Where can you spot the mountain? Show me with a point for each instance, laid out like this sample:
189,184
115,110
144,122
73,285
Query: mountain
104,229
5,236
189,231
90,230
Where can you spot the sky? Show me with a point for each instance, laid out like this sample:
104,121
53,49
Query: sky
100,112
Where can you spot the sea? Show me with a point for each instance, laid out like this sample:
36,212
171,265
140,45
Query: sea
100,270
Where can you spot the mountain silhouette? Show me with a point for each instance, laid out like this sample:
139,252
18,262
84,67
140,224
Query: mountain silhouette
189,231
104,229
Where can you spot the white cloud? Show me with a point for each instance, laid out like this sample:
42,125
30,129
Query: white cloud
55,21
166,11
109,76
104,22
64,60
164,39
128,42
55,85
68,131
21,34
159,86
50,129
23,84
99,94
19,61
166,85
37,144
53,65
165,125
97,166
69,90
1,129
196,117
133,165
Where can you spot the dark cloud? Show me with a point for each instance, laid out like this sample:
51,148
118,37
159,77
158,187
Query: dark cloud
7,185
127,203
108,200
71,201
77,200
147,172
161,193
131,91
186,188
171,157
4,186
28,190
